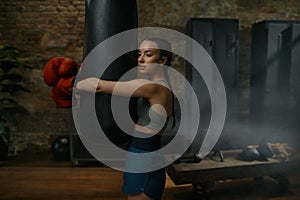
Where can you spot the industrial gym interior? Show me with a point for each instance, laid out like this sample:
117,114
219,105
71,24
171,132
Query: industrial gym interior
255,45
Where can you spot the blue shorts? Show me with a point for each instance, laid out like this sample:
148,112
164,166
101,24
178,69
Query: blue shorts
150,183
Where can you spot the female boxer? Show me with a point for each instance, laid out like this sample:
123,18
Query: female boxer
152,89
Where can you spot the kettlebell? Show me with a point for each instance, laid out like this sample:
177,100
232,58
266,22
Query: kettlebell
61,148
250,154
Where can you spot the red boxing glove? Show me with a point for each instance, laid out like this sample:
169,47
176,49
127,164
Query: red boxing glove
62,92
59,67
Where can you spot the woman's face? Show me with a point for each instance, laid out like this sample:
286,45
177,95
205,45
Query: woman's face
149,57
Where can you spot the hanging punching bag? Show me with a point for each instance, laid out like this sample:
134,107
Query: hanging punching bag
105,18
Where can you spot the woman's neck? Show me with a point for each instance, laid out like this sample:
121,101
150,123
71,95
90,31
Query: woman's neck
157,76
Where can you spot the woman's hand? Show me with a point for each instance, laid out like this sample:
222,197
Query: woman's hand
89,85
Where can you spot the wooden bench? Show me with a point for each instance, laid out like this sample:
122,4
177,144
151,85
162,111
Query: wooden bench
202,175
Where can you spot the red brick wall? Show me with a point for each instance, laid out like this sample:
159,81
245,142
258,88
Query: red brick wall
43,28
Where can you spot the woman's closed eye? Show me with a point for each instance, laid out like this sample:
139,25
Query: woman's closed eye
149,55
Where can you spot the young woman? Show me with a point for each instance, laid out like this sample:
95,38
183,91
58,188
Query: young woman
155,97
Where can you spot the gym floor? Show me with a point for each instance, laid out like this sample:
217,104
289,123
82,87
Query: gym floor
38,176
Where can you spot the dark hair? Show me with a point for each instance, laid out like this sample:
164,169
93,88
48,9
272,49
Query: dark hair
165,51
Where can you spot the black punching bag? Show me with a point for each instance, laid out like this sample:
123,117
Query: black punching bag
105,18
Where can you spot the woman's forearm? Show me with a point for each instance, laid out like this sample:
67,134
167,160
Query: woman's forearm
89,85
133,88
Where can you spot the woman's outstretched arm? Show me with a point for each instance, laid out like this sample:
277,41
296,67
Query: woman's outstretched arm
135,88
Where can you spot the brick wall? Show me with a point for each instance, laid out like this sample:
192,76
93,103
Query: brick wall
43,28
49,28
